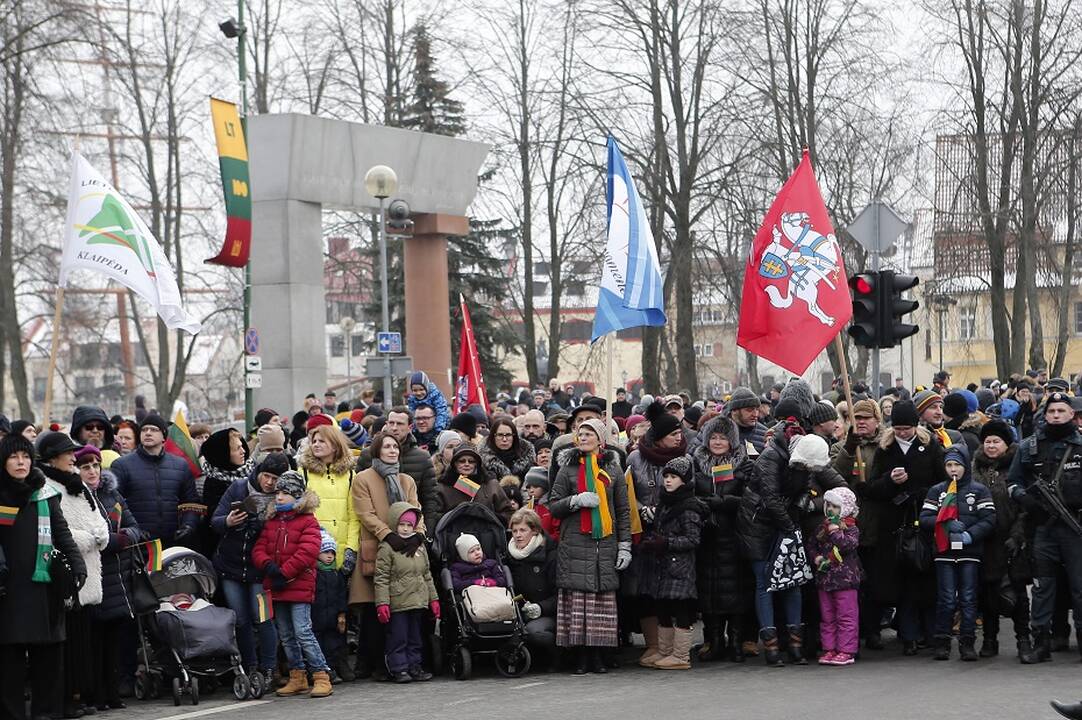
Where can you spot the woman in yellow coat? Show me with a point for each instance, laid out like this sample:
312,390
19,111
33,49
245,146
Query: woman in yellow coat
375,490
327,466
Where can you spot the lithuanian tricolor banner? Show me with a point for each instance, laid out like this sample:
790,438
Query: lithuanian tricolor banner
233,161
178,441
596,522
154,555
264,607
467,486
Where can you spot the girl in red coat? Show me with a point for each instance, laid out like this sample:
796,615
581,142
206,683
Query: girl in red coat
286,552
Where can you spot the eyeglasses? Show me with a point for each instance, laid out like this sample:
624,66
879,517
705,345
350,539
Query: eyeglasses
94,427
466,461
505,435
424,417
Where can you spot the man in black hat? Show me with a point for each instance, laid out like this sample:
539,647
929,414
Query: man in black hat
591,409
159,487
743,410
1053,454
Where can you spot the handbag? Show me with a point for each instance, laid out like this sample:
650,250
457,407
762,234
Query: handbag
369,550
788,563
912,548
140,590
488,604
62,580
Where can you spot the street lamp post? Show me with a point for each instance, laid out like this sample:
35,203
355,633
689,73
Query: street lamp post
347,324
381,182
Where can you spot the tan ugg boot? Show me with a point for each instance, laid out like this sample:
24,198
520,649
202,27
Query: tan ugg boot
680,658
321,684
664,644
297,685
649,631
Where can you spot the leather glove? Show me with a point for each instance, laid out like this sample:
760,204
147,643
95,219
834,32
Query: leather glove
183,534
383,613
851,442
623,555
531,611
349,562
585,500
123,540
396,541
434,606
341,623
966,538
956,526
80,580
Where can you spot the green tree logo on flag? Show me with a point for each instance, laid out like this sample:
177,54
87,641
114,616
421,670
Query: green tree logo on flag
113,226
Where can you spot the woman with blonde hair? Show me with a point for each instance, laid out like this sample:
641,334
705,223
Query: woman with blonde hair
327,466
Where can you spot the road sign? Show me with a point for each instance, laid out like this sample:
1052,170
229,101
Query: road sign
876,227
389,343
251,341
253,364
253,380
399,366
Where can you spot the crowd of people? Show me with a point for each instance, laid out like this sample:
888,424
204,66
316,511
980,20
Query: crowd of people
795,527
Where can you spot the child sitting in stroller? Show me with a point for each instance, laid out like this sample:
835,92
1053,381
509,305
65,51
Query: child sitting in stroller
473,568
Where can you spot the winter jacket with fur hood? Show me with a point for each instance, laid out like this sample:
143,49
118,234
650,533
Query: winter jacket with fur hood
335,512
87,525
291,541
403,581
116,558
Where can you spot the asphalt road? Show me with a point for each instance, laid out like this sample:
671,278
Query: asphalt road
881,686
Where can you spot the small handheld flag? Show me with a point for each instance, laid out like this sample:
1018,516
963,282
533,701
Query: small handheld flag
722,473
154,555
466,486
264,606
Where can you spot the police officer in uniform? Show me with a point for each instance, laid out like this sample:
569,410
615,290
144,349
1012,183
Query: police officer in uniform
1052,454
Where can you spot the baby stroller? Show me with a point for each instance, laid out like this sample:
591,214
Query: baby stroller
458,637
186,637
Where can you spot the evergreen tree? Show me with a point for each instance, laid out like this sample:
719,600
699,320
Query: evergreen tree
473,270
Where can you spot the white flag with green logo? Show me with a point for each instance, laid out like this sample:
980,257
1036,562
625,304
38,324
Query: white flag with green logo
103,233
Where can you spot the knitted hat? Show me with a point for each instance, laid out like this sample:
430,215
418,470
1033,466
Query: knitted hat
478,413
355,432
693,415
800,392
19,426
464,423
465,543
997,428
924,400
985,397
867,407
290,482
811,451
327,543
786,408
904,413
632,421
822,412
959,453
52,444
87,453
445,438
317,420
536,477
412,515
11,444
742,397
680,466
276,464
263,416
417,377
598,427
271,436
844,498
954,405
1056,397
155,420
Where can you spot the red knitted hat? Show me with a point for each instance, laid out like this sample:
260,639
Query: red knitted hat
317,420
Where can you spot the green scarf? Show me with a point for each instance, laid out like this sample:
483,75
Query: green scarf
322,566
45,535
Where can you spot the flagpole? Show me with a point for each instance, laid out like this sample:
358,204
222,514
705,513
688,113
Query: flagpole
610,390
839,348
52,357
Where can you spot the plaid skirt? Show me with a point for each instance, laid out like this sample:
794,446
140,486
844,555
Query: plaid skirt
586,618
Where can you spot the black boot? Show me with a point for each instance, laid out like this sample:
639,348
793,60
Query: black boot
1042,643
581,667
1026,654
597,661
713,647
989,648
736,646
966,648
943,648
795,648
1074,712
771,653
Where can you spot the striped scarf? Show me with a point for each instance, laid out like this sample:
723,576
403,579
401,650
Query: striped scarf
45,535
598,521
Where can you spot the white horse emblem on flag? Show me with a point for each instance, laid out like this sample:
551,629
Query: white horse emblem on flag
806,258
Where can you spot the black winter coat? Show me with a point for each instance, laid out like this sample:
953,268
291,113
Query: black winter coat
975,510
1010,520
679,524
233,558
332,591
155,487
534,576
29,613
117,557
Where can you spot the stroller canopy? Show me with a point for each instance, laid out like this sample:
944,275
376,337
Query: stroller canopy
184,571
473,519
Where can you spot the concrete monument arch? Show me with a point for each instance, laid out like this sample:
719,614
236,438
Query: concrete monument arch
301,164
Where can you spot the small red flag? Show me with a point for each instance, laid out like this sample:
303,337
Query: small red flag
470,386
796,296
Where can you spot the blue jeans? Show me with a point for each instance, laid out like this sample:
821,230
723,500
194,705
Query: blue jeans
241,599
294,621
764,601
957,585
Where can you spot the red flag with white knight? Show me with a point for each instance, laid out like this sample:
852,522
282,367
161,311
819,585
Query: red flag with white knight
796,296
470,384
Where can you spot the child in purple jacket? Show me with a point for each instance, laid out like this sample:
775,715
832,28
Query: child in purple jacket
833,550
472,567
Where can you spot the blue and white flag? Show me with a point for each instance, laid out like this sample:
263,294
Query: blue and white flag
631,291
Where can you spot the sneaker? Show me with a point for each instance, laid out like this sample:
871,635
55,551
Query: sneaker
401,677
419,674
842,658
827,658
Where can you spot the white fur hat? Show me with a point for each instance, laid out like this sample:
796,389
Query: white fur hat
465,543
811,451
844,498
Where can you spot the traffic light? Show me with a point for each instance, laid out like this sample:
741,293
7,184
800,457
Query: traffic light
894,306
867,318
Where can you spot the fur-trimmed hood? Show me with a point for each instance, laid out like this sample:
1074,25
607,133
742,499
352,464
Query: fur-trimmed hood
308,461
305,506
886,438
572,455
982,462
724,425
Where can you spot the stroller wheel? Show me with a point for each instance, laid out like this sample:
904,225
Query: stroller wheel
241,686
176,691
462,664
193,686
257,685
513,660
